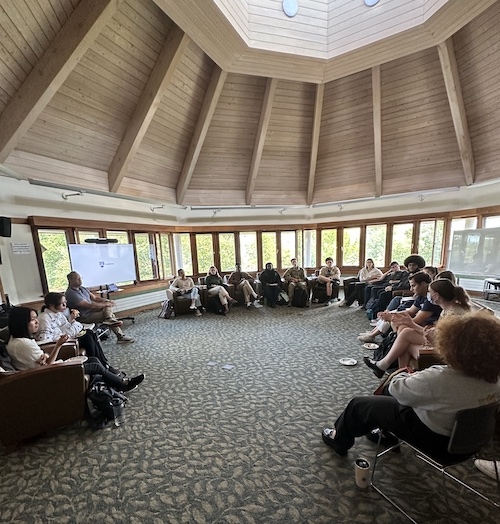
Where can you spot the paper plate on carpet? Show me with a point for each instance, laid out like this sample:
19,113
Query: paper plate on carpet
348,361
370,345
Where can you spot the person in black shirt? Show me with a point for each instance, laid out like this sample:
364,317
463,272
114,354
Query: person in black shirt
271,284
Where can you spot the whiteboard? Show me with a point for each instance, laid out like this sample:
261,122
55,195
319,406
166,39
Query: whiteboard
102,264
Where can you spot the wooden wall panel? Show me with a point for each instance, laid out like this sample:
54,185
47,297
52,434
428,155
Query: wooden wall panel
285,159
162,152
227,152
346,166
353,25
477,50
419,145
26,30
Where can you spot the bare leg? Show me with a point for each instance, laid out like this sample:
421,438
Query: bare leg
404,348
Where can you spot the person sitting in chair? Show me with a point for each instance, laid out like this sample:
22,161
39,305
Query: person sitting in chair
296,277
215,287
184,286
53,323
93,308
271,284
26,354
243,282
329,279
421,407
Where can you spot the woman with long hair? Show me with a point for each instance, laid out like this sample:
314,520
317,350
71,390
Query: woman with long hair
215,286
354,287
53,323
26,354
421,407
452,299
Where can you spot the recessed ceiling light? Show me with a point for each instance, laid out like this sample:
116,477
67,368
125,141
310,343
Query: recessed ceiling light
371,3
290,7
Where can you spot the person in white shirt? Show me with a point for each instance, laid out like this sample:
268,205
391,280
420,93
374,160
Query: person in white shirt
421,407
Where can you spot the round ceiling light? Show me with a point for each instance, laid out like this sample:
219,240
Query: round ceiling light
290,7
371,3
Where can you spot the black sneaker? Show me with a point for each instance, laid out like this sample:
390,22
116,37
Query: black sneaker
133,382
372,364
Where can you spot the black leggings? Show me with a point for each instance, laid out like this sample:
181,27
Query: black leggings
93,348
94,367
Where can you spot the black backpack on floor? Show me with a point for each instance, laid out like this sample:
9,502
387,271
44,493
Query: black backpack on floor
299,297
215,305
105,404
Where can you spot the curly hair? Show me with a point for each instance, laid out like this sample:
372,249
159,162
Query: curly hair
419,277
471,344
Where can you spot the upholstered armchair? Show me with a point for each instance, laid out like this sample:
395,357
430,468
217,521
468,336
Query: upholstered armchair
38,400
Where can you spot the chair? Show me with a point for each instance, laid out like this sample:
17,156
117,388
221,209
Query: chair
38,400
464,443
491,287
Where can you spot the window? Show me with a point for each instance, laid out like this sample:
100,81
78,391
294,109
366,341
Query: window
350,247
460,224
121,236
430,242
146,256
227,252
248,249
288,248
329,245
182,250
205,252
166,269
375,243
492,222
309,248
83,235
401,242
269,249
55,256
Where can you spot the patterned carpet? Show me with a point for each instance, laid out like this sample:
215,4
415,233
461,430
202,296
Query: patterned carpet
204,444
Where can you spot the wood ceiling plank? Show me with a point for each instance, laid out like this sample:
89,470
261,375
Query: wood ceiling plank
207,110
377,127
161,76
265,117
65,51
459,116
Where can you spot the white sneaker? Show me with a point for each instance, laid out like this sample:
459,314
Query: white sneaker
487,467
373,323
192,306
342,303
125,340
249,304
197,312
366,338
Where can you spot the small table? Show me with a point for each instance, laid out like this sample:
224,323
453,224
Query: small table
491,287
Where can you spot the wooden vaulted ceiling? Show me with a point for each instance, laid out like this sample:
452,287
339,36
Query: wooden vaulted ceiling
169,101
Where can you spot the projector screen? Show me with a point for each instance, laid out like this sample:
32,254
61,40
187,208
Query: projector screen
476,252
103,264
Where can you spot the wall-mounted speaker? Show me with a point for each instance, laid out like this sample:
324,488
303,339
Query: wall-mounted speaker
5,227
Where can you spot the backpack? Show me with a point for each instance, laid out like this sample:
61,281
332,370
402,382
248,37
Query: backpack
299,297
215,305
384,348
167,308
104,404
283,298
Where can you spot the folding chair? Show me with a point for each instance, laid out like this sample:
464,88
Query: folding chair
464,442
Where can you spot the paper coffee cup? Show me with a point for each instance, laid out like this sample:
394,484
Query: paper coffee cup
362,473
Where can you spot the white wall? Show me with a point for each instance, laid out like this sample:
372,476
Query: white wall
19,271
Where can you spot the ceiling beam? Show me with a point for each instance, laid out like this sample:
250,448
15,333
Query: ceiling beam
377,127
200,132
457,107
265,117
158,83
318,110
83,26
